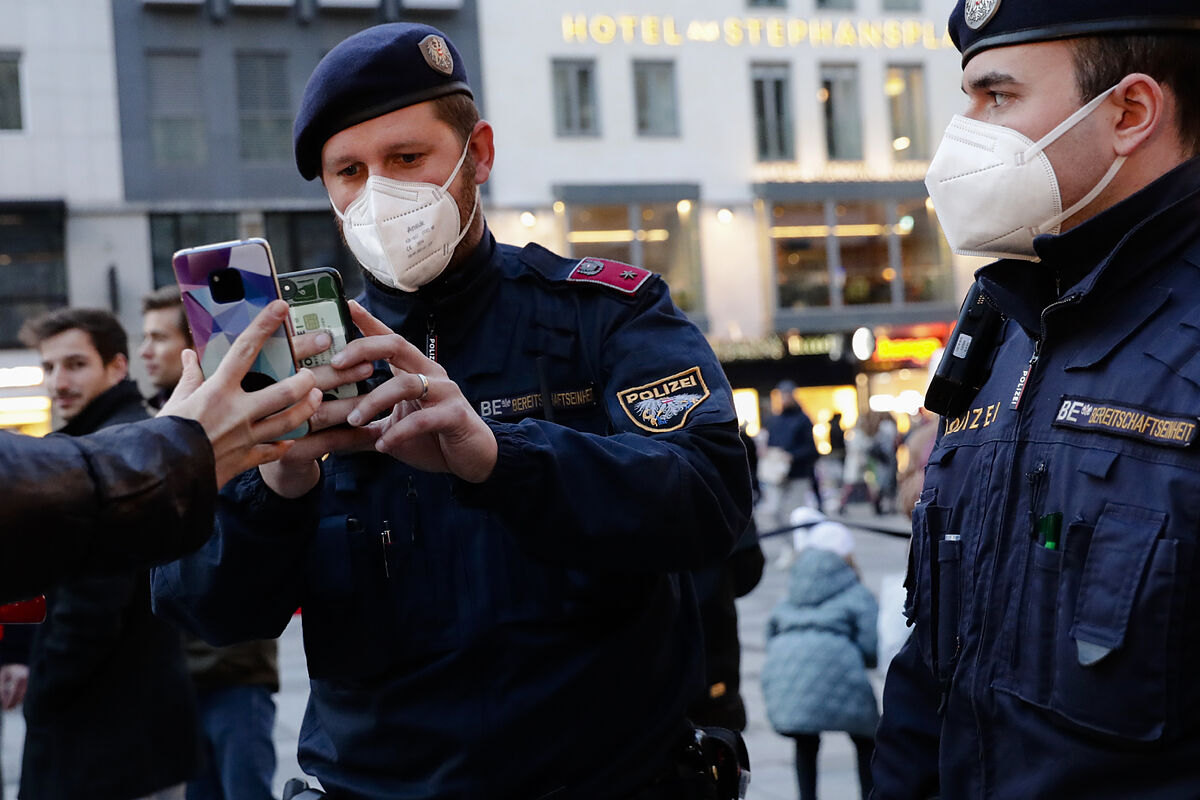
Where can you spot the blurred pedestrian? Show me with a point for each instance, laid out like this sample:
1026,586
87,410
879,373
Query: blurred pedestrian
821,640
858,475
233,684
882,453
108,709
790,439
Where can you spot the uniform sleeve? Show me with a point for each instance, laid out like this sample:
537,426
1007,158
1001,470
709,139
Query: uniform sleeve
247,580
905,764
668,489
124,497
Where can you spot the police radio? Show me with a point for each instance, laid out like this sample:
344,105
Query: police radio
965,365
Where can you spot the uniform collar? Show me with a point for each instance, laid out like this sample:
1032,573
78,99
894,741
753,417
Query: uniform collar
1088,259
458,295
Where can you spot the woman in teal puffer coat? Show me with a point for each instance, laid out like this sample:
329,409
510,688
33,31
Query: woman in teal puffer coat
821,639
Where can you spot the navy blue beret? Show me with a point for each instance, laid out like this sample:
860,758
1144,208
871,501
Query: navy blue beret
977,25
375,71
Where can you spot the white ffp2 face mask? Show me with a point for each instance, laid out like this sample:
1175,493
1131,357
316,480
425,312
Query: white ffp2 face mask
404,232
994,190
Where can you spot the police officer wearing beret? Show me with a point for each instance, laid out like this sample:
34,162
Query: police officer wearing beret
489,563
1053,577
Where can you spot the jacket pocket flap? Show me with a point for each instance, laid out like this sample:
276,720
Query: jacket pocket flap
1116,561
1097,463
1122,326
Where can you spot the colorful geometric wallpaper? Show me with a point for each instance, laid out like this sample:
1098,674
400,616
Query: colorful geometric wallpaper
215,325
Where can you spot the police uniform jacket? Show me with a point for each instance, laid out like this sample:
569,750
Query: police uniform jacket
109,711
527,636
1059,659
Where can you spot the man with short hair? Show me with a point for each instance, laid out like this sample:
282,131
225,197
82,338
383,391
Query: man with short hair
490,560
1053,573
165,335
108,709
234,683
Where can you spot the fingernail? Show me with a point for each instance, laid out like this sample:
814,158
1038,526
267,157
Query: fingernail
354,418
338,360
324,339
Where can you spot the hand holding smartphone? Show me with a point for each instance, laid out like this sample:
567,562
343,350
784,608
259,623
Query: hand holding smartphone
318,302
224,286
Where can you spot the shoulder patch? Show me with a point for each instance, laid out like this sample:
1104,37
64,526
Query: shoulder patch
613,274
664,405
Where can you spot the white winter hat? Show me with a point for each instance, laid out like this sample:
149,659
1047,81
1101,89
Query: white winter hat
804,518
832,536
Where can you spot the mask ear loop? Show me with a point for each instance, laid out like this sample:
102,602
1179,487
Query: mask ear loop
1070,122
1081,113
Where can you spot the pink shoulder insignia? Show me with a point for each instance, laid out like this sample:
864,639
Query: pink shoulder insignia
614,274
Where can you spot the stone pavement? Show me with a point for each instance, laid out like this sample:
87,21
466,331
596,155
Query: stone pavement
770,754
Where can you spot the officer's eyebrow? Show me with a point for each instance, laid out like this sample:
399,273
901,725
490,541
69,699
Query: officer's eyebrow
988,81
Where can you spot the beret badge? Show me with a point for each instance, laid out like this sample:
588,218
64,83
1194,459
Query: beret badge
978,13
437,54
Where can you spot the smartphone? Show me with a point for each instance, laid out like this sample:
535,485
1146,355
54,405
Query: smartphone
318,303
224,286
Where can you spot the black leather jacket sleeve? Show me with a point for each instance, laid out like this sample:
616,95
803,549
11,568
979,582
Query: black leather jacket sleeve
127,496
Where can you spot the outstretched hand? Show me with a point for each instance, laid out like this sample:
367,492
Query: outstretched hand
241,425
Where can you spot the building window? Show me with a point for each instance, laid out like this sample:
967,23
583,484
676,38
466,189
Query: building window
924,254
858,252
767,3
171,232
10,92
843,123
662,237
309,239
654,94
575,98
835,4
33,267
264,107
905,90
901,5
772,112
175,108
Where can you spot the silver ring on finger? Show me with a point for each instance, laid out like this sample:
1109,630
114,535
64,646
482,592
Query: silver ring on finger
424,386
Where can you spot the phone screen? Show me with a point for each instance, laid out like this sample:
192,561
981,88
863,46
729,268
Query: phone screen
317,304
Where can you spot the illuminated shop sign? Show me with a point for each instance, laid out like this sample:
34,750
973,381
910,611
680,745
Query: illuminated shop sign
778,32
919,350
775,348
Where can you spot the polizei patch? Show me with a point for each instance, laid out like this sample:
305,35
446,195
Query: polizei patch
664,405
1117,419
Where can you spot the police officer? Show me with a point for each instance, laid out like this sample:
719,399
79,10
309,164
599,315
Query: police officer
487,563
1052,577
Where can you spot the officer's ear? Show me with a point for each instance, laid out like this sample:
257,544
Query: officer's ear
1146,114
483,150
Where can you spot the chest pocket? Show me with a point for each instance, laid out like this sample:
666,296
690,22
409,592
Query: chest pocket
933,580
373,600
1098,637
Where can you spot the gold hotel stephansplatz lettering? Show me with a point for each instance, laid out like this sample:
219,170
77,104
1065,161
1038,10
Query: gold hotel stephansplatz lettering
974,419
651,29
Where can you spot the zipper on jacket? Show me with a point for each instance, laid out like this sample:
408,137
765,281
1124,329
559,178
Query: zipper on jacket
414,512
431,342
1023,382
1037,479
974,691
385,538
